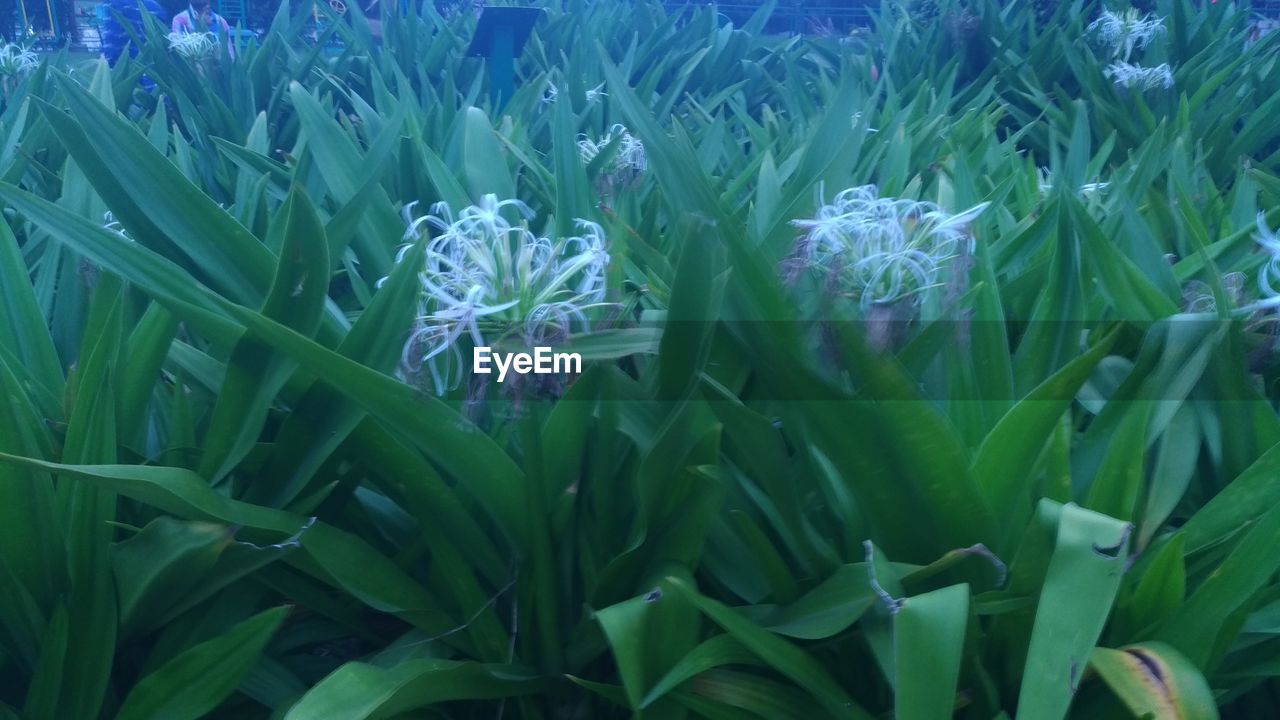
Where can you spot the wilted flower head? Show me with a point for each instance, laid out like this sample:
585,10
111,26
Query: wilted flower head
194,45
629,157
16,60
485,279
1146,78
1198,296
1122,32
625,165
882,250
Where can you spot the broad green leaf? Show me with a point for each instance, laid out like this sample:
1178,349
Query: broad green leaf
1202,628
712,653
484,166
828,609
928,643
22,327
193,684
357,691
1242,502
254,373
787,659
1004,461
156,567
1154,680
1079,588
130,175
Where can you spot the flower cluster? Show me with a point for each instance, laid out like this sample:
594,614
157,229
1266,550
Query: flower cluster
1259,28
882,250
1046,184
194,45
1146,78
552,93
16,60
626,159
1122,32
487,279
1198,297
630,156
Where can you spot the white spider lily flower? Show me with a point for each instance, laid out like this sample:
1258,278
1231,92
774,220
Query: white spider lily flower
625,166
855,119
1259,28
588,149
1147,78
631,154
485,278
194,45
1046,184
594,94
1122,32
629,157
552,93
109,222
16,60
1269,273
882,250
1199,297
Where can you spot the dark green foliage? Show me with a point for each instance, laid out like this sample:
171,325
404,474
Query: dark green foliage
1043,488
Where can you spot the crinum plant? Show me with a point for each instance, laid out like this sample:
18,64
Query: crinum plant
485,279
593,95
194,45
1269,273
628,162
881,251
1120,34
1137,76
16,60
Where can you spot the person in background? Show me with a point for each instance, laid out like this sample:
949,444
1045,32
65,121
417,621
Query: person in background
116,36
200,17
